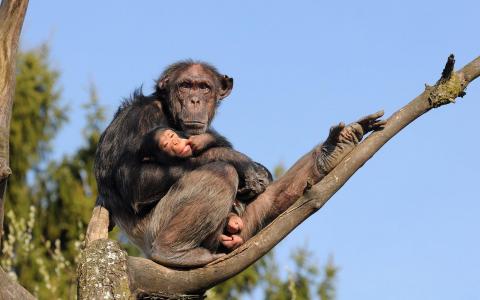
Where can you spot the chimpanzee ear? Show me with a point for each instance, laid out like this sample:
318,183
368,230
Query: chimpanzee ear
226,86
162,84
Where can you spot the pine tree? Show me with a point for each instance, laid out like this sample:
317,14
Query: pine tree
37,115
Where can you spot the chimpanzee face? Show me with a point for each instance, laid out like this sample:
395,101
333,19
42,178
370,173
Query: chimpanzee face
195,90
193,94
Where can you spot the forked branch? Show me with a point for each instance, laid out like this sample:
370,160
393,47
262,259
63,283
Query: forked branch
151,278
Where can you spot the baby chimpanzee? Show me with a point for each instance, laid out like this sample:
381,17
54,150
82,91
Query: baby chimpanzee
172,146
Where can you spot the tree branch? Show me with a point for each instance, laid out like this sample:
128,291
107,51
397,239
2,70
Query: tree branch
12,290
148,277
12,14
98,226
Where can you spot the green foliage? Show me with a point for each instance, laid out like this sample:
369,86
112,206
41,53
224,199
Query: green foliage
67,189
299,281
49,203
326,288
40,267
36,117
302,281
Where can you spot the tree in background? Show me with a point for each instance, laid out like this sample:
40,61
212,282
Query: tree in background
49,202
37,116
326,288
302,281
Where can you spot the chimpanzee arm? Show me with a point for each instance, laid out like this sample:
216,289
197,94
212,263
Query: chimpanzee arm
143,184
205,141
253,177
218,140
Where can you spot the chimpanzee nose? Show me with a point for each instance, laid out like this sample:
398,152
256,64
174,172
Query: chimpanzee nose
195,100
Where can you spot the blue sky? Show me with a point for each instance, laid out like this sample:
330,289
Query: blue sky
406,226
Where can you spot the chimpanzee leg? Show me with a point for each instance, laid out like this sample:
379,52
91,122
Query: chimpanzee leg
185,223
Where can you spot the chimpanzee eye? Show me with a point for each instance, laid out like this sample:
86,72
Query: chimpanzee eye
185,85
204,86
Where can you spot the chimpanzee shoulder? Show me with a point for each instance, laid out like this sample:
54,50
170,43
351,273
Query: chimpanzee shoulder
119,143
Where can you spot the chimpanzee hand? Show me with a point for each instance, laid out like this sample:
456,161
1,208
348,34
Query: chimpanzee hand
231,242
254,179
342,139
200,142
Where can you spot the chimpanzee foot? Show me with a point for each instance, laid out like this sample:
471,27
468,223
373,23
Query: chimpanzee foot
234,224
231,241
196,257
343,139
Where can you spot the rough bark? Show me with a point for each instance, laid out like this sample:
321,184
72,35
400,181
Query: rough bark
102,271
147,277
98,226
12,14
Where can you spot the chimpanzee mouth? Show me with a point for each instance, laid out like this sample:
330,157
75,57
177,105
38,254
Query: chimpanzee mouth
194,127
194,124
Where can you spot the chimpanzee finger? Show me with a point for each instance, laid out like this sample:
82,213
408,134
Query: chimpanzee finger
378,124
224,237
368,119
372,125
234,243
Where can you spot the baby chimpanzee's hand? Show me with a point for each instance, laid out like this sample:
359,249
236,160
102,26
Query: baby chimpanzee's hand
200,142
231,241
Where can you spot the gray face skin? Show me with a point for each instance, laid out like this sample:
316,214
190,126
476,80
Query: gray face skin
195,90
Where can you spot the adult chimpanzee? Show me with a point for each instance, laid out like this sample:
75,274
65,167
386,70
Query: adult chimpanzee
176,210
130,186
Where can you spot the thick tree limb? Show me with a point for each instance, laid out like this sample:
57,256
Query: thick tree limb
12,14
149,277
10,290
102,271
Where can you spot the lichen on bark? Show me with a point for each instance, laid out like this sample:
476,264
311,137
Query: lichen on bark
445,92
103,272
